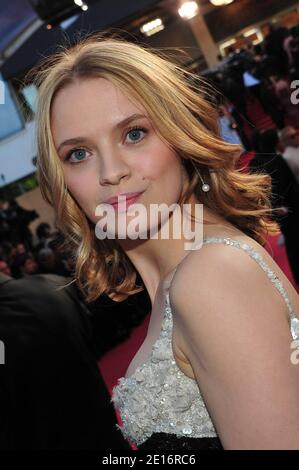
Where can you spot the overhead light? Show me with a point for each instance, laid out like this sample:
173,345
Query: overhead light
219,3
188,10
226,44
250,32
152,27
81,4
257,32
229,43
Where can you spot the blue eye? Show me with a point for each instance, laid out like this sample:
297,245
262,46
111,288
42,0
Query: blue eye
136,134
79,154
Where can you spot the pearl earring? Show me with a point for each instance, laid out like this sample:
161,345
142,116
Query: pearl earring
205,186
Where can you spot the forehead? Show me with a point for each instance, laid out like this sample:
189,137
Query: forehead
87,103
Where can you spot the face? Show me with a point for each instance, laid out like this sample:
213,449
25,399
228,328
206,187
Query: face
293,140
21,248
30,266
4,268
114,148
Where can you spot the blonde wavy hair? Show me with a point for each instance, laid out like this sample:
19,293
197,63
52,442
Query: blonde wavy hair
176,103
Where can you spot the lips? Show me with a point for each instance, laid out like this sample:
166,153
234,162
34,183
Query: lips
126,197
125,202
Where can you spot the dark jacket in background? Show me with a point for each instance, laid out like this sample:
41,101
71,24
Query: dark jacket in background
285,189
285,192
52,395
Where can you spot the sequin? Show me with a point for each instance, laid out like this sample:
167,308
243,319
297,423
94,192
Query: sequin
187,430
158,397
295,327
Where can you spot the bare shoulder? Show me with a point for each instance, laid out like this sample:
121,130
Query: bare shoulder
232,326
221,286
229,271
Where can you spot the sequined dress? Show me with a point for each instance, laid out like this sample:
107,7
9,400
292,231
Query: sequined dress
161,408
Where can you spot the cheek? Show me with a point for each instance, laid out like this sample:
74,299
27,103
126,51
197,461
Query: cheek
83,187
160,163
171,174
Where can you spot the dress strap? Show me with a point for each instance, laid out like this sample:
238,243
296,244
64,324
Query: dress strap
294,322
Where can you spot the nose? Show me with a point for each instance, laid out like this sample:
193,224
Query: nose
112,170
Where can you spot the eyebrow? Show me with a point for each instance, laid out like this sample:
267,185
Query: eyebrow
119,125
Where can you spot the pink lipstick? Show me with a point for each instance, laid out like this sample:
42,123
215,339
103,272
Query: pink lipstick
121,202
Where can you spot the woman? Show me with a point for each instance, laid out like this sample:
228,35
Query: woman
115,118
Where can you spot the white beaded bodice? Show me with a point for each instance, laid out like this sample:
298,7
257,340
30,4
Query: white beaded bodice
158,396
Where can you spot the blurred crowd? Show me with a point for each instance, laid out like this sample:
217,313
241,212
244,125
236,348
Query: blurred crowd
256,83
257,101
23,253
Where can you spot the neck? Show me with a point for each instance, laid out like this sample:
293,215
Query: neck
156,259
